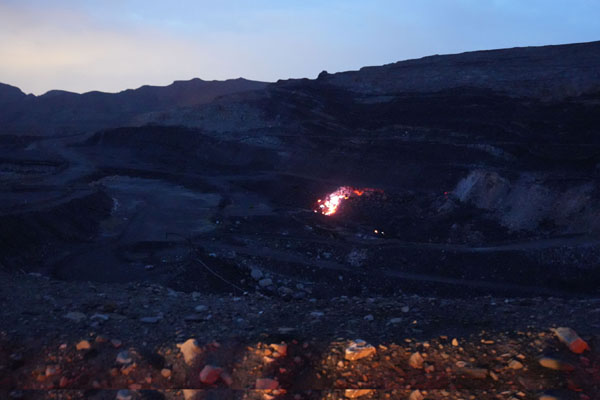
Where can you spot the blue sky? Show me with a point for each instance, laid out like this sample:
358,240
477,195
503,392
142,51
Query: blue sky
111,45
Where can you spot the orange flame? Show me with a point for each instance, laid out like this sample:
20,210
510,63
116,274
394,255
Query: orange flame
332,202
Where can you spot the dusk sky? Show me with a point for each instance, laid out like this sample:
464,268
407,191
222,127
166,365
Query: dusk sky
111,45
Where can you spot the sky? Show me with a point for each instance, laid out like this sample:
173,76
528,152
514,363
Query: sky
112,45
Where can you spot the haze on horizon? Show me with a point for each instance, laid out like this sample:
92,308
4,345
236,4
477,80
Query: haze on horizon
113,45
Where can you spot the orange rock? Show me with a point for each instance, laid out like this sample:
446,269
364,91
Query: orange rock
280,348
359,349
355,393
83,345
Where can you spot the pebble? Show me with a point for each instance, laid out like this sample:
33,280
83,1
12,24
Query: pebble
75,316
358,349
416,361
395,321
555,364
266,384
150,320
124,357
514,364
369,317
51,370
116,343
416,395
356,393
124,394
256,274
190,350
83,345
165,372
455,342
225,377
265,282
210,374
197,317
102,317
200,308
280,349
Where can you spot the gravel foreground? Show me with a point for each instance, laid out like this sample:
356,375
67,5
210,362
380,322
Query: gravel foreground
72,340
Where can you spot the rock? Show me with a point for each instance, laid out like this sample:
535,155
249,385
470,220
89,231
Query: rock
569,337
416,395
100,339
124,357
317,314
369,317
124,394
75,316
190,394
210,374
358,349
190,350
416,361
395,321
265,282
356,393
548,396
116,343
477,373
455,342
555,364
226,378
166,373
405,309
51,370
280,348
256,274
101,317
151,320
514,364
266,384
83,345
200,308
197,317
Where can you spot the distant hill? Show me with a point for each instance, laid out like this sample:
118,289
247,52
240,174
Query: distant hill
65,112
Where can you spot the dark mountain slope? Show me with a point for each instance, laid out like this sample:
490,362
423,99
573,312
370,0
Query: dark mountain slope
547,71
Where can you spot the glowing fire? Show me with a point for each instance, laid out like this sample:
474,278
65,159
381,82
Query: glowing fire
331,203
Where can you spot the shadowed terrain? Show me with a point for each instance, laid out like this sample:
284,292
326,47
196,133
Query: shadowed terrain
485,168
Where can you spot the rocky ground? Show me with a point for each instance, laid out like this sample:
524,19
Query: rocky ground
139,340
